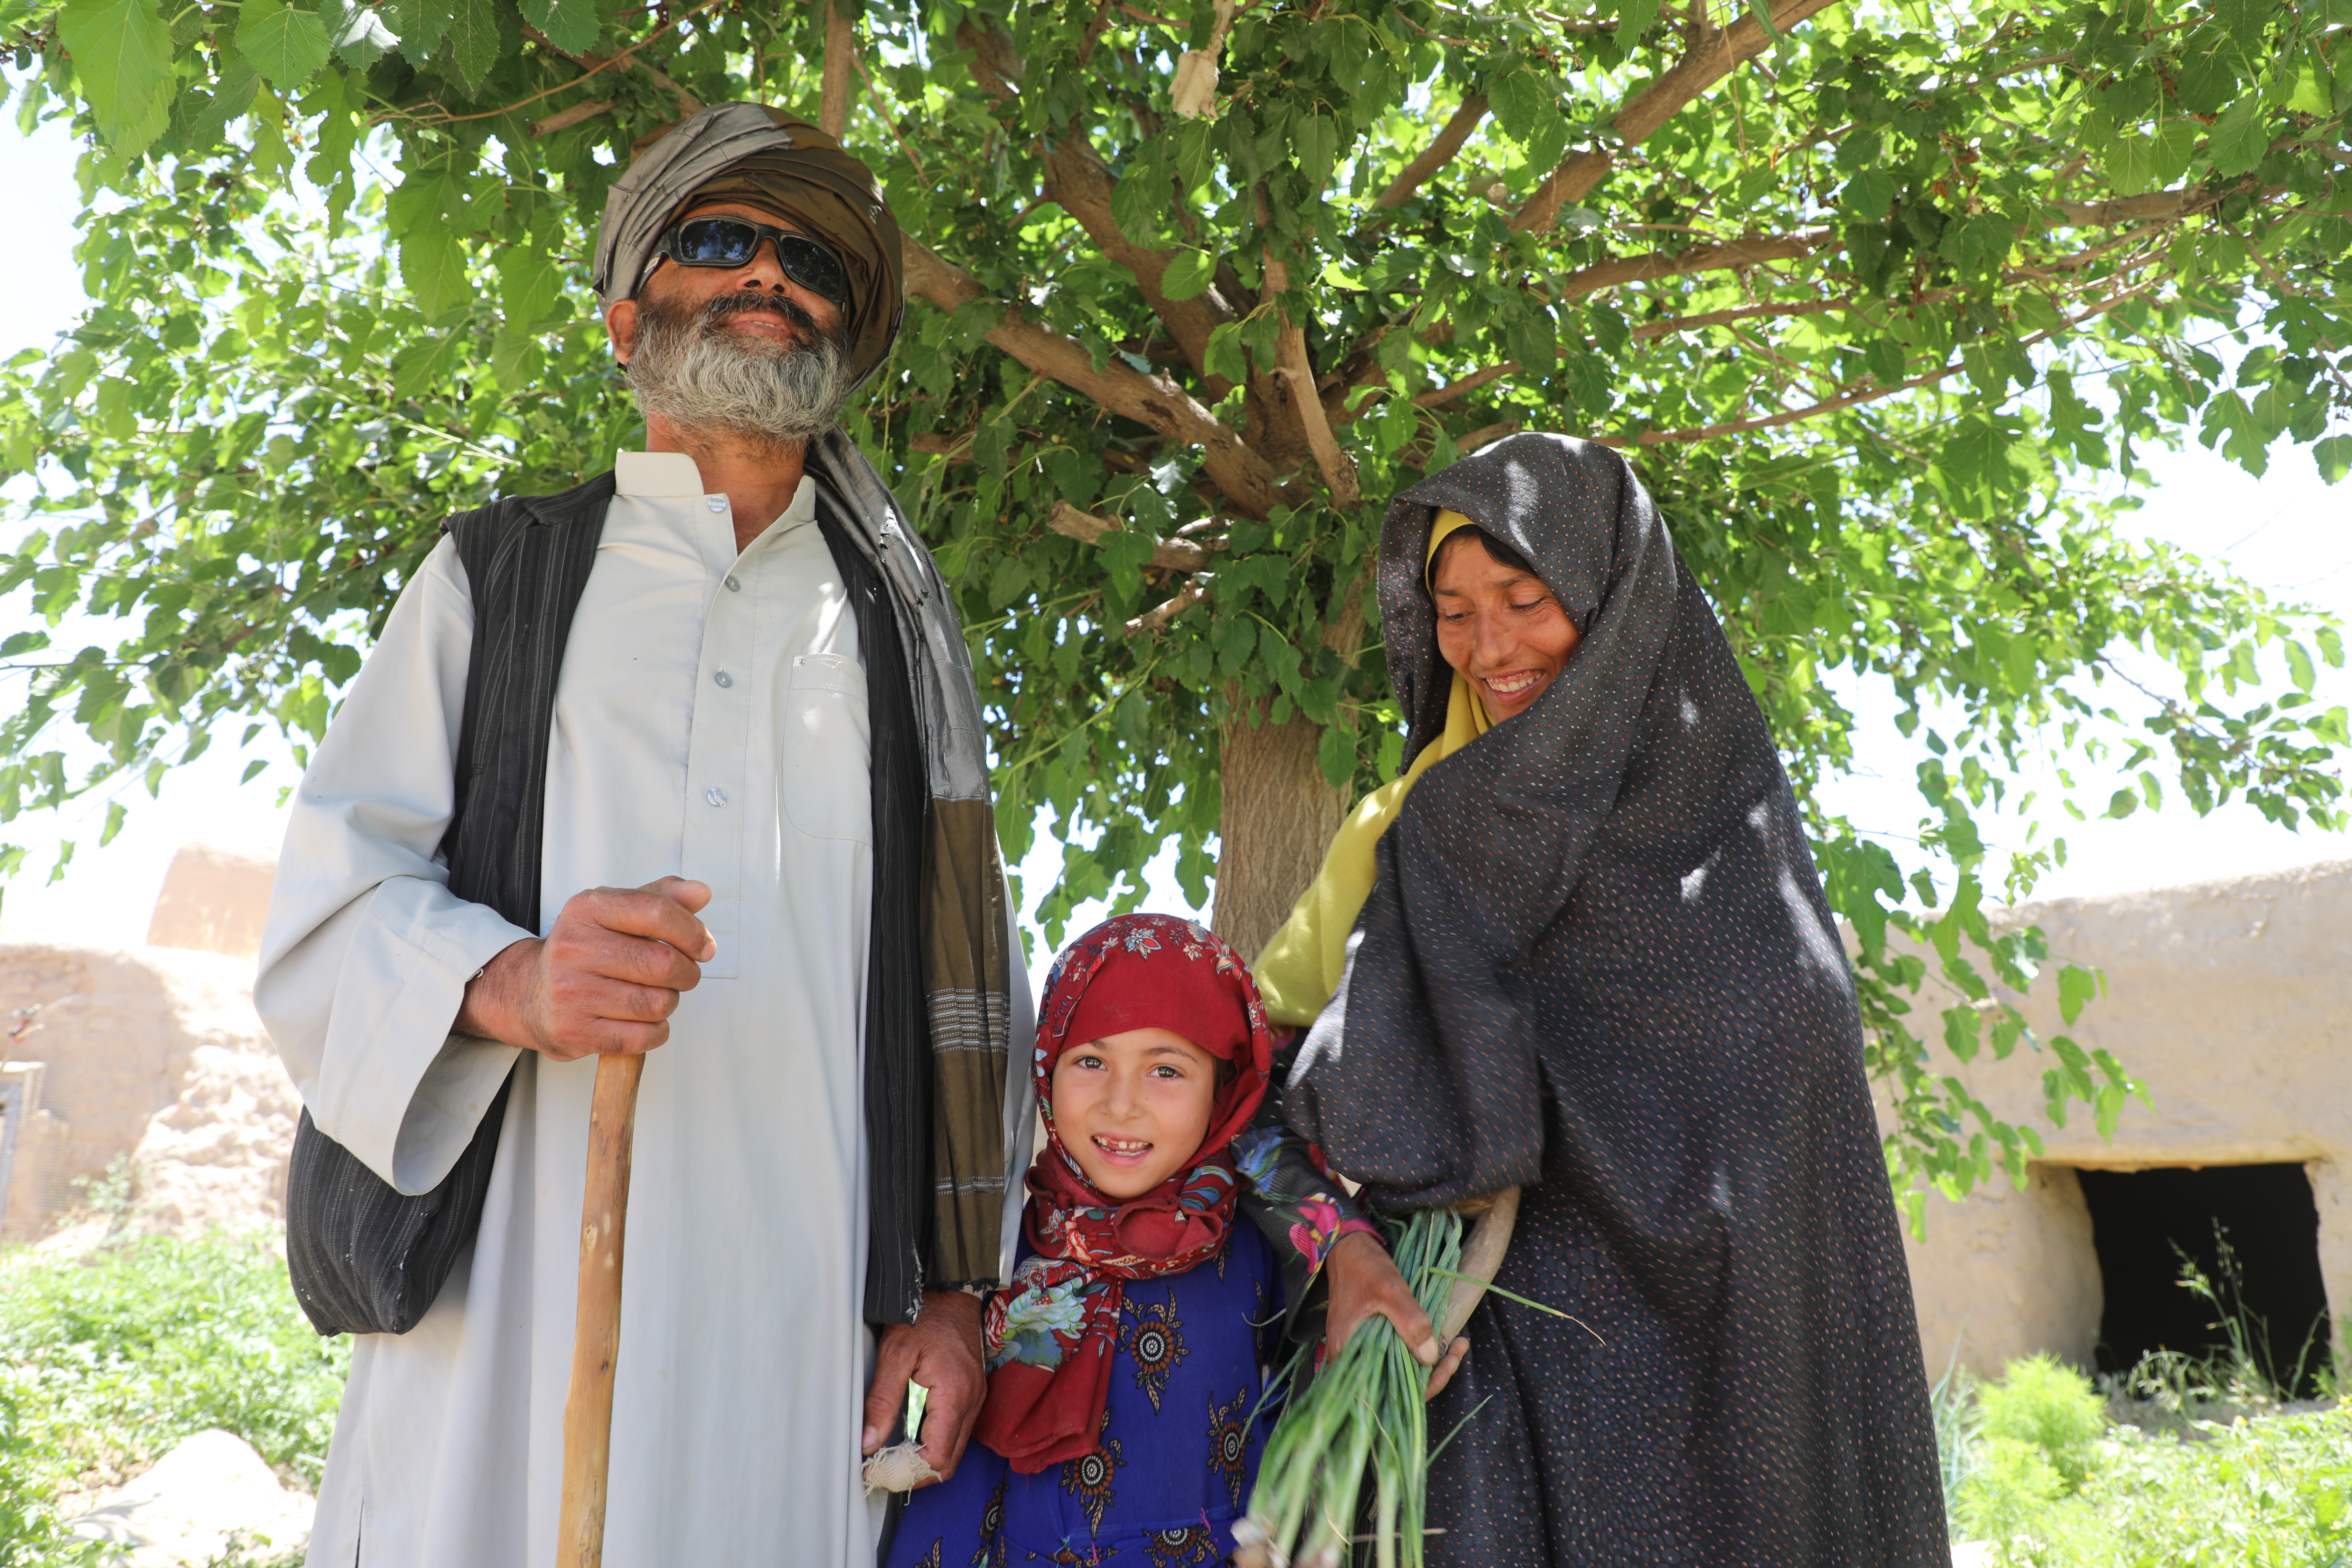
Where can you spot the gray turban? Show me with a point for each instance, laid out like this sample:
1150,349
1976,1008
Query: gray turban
762,157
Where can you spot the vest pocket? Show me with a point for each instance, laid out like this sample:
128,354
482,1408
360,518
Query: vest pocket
827,789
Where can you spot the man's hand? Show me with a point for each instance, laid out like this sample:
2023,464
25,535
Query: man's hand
941,1351
603,981
1363,1281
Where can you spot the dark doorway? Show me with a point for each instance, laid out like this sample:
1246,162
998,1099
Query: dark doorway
2142,1222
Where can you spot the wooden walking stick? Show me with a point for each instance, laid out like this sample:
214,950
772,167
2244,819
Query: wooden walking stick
596,1337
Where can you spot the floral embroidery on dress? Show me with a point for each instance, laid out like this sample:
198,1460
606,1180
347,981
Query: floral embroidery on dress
991,1529
1155,1343
1229,1442
1088,1477
1182,1548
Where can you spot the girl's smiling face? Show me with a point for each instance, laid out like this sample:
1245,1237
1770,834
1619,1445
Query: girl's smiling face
1132,1108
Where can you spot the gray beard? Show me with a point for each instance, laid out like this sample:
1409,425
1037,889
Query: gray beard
690,370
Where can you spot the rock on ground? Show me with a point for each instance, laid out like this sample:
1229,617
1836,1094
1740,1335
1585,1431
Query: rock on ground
208,1496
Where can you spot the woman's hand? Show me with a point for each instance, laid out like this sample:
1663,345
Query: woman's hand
1364,1280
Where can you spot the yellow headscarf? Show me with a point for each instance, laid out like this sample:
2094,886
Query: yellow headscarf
1301,965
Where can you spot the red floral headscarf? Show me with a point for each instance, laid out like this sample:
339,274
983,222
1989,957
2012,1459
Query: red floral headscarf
1050,1336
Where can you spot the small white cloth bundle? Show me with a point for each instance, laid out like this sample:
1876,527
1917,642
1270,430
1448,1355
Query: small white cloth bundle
901,1468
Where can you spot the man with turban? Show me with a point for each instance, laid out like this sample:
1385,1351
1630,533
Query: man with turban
688,757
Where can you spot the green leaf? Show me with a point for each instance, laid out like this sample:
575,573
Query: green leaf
1228,354
2298,666
1188,275
122,58
2314,94
421,25
1518,96
423,363
2334,456
471,48
571,25
432,265
531,276
2239,137
1337,752
1633,21
356,32
1869,194
114,815
286,46
2137,164
251,769
1314,138
2076,986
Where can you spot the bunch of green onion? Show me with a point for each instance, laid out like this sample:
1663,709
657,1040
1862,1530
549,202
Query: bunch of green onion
1363,1421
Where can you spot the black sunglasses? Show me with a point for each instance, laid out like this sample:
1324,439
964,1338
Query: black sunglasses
734,241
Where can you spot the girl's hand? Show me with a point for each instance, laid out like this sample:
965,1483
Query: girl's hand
1364,1280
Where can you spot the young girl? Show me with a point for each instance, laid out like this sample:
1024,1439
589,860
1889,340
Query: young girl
1126,1360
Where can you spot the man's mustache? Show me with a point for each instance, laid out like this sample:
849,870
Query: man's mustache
783,305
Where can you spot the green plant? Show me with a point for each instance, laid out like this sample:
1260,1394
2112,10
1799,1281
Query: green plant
2044,1404
1959,1427
2253,1359
31,1534
113,1195
118,1357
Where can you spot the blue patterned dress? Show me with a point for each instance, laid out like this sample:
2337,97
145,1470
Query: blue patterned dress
1181,1439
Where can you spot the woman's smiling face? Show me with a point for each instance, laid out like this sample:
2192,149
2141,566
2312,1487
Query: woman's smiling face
1498,625
1132,1108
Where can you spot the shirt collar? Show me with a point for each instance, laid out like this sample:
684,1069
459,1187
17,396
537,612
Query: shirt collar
667,476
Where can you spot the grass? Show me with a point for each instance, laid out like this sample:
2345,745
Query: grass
2040,1467
109,1359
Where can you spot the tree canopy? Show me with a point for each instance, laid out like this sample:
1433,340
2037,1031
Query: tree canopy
1874,296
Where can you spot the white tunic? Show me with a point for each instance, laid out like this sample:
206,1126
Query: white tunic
711,721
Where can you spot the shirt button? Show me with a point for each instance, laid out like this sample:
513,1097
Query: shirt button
733,586
717,503
715,795
724,679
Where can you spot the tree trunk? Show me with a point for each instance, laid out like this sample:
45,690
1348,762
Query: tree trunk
1277,818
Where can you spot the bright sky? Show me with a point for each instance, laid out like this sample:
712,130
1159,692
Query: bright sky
2287,533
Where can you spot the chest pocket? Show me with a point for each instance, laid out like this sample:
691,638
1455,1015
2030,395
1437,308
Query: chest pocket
825,738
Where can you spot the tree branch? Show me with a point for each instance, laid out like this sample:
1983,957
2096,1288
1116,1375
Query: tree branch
591,65
1729,255
1438,396
1155,401
2156,206
1168,554
1151,623
1853,399
565,120
1668,326
840,44
1714,53
1082,186
996,64
1293,366
1439,154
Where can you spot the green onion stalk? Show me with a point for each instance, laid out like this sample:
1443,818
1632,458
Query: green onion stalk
1363,1421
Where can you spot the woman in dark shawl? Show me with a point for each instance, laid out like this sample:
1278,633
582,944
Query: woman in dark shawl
1594,962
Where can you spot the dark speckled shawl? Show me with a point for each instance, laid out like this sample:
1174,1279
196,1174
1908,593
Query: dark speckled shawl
1597,964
